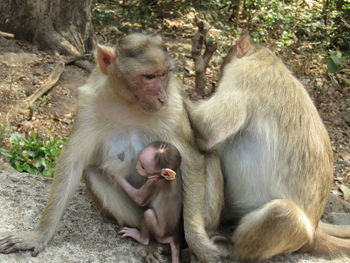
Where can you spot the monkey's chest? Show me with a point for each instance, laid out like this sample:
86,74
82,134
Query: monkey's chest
118,154
123,146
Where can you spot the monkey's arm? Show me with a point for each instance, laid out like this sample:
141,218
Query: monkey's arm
119,167
141,196
195,206
202,183
217,118
75,157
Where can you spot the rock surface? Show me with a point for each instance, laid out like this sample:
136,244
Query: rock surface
83,235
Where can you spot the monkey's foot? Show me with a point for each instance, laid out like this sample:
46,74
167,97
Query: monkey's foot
186,255
24,241
206,252
135,234
153,253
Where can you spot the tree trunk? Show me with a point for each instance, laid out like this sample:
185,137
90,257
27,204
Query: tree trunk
63,26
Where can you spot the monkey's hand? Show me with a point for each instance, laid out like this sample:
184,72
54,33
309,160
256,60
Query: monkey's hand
32,240
204,251
202,144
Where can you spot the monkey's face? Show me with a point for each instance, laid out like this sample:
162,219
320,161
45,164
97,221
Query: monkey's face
149,89
145,165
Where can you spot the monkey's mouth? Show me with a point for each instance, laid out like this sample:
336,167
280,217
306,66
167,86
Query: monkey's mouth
150,109
153,106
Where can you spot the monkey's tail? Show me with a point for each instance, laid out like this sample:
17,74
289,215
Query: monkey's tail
326,245
342,231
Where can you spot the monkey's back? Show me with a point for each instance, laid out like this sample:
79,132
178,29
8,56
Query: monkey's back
283,139
167,205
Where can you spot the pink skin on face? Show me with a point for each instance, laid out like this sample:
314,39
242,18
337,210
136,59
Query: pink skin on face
151,93
145,164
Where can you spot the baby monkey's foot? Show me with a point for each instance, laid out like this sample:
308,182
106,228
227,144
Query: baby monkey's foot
133,233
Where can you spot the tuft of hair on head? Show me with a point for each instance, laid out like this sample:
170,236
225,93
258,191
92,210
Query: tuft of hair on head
134,44
166,156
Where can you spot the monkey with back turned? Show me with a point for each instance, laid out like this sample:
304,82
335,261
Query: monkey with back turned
276,157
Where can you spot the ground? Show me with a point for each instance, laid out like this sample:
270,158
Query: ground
83,234
24,69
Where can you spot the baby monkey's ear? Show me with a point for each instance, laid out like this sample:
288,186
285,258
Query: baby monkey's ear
168,174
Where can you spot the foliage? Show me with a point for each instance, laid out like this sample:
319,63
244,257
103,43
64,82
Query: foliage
104,14
33,154
335,61
280,23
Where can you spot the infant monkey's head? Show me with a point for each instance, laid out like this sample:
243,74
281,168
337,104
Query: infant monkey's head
159,158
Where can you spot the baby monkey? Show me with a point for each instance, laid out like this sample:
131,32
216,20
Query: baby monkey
162,193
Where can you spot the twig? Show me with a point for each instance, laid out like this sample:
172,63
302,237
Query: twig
79,61
347,25
201,61
7,35
84,64
50,82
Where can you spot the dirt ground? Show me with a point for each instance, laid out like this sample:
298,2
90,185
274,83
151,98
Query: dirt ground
24,69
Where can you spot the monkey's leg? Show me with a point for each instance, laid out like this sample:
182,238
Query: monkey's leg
150,224
342,231
278,227
112,198
175,250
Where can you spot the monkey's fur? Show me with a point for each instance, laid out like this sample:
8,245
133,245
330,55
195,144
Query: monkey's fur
275,153
130,100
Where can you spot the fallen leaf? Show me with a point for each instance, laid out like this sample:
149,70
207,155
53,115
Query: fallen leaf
346,192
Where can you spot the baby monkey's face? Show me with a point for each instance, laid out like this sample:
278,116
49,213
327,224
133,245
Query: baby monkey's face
145,165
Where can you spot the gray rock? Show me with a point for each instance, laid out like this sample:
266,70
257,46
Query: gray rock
83,235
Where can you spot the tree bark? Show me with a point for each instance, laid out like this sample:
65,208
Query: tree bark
63,26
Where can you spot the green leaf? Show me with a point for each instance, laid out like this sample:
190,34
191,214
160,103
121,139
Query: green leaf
332,67
336,60
43,162
15,138
32,134
37,164
29,153
6,153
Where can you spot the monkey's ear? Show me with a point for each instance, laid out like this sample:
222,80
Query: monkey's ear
243,45
105,57
168,174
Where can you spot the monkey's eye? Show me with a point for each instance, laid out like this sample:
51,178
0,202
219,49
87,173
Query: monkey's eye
149,76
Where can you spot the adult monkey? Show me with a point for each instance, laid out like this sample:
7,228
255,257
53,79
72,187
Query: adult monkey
275,153
131,100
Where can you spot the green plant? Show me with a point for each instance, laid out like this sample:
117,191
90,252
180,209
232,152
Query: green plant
35,154
335,61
